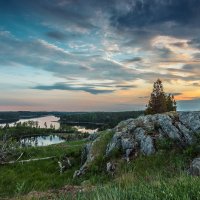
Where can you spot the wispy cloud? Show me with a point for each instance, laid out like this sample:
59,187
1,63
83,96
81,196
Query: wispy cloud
101,47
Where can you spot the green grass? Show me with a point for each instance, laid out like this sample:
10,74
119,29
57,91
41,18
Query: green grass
162,176
157,177
183,188
98,151
39,175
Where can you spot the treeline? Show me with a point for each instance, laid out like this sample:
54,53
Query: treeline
10,117
31,128
102,119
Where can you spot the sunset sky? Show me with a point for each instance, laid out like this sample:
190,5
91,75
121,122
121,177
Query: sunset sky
98,55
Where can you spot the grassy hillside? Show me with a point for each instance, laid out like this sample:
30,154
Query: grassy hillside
18,179
160,176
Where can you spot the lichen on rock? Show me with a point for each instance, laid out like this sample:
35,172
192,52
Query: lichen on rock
140,135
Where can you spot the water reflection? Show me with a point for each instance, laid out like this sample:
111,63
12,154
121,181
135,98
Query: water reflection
53,122
45,122
40,122
40,141
83,129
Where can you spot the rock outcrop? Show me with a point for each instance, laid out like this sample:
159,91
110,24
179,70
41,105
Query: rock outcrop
195,167
110,168
140,135
93,150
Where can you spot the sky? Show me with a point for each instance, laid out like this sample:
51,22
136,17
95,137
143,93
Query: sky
92,55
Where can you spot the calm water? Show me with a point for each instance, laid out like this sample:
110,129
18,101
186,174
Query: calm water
83,129
49,120
41,121
40,141
54,121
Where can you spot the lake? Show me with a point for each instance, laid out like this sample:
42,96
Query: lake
40,141
52,120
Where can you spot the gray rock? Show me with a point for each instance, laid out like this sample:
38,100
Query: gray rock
115,143
186,133
167,126
110,168
145,142
147,146
77,173
128,153
190,120
85,152
138,135
195,167
127,143
64,164
93,136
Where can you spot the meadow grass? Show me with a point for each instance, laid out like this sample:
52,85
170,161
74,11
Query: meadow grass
162,176
39,175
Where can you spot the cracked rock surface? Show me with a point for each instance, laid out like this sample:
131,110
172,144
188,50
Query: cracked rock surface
139,135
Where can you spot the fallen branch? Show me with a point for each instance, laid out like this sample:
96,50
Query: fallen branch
24,161
20,156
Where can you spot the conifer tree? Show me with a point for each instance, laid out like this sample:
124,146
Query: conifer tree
160,102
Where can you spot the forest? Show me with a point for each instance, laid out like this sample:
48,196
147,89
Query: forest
103,119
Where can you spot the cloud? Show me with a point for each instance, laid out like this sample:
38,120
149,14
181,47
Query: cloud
132,60
196,84
179,44
144,97
176,94
195,42
56,35
93,88
101,46
63,86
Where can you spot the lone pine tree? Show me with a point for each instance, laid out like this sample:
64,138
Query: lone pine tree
160,102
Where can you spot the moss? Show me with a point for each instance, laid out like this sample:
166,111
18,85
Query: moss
99,150
100,145
115,153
